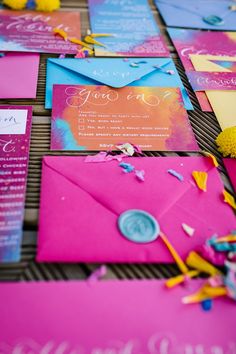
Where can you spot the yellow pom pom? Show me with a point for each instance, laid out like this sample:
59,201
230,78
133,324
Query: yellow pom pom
47,5
226,142
15,4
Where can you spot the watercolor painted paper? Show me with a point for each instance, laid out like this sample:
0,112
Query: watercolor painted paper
222,102
204,14
189,42
19,75
91,196
30,31
133,28
114,72
203,80
114,316
15,127
98,118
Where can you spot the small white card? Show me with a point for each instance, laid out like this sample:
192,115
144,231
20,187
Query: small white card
13,121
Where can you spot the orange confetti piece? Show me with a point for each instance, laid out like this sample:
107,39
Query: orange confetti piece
61,33
200,179
212,157
228,198
89,39
180,263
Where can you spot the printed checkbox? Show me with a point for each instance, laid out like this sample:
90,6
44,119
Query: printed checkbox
81,127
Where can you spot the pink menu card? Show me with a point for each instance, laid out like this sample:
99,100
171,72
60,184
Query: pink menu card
15,128
112,317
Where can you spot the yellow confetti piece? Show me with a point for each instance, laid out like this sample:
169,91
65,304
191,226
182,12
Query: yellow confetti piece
228,238
95,35
89,39
79,42
180,263
170,283
206,292
194,260
212,157
228,198
200,179
61,33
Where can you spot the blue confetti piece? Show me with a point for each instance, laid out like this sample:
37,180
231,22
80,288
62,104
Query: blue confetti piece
176,174
206,305
127,167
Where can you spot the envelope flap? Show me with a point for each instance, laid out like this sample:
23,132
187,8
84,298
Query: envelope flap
108,184
116,72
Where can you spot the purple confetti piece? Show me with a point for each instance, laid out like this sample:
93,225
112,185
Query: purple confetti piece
176,174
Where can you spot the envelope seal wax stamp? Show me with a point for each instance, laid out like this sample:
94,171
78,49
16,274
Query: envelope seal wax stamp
138,226
213,20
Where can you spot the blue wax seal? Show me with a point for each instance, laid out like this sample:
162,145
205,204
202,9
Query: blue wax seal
138,226
213,20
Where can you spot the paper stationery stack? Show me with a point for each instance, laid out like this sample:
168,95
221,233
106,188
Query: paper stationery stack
210,52
220,89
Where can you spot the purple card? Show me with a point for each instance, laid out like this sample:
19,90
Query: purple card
15,128
30,31
133,28
202,81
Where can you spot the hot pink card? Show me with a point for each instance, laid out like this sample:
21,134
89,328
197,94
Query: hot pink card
230,165
112,317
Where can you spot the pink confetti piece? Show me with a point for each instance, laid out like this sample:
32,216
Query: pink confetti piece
98,274
216,281
80,55
62,56
102,156
140,175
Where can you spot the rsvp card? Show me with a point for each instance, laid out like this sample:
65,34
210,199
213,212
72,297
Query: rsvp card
30,31
98,118
133,28
15,127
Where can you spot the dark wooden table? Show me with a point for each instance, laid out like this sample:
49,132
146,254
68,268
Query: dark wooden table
205,127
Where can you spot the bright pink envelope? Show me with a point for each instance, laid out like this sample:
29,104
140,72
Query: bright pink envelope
19,75
81,203
230,165
112,317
